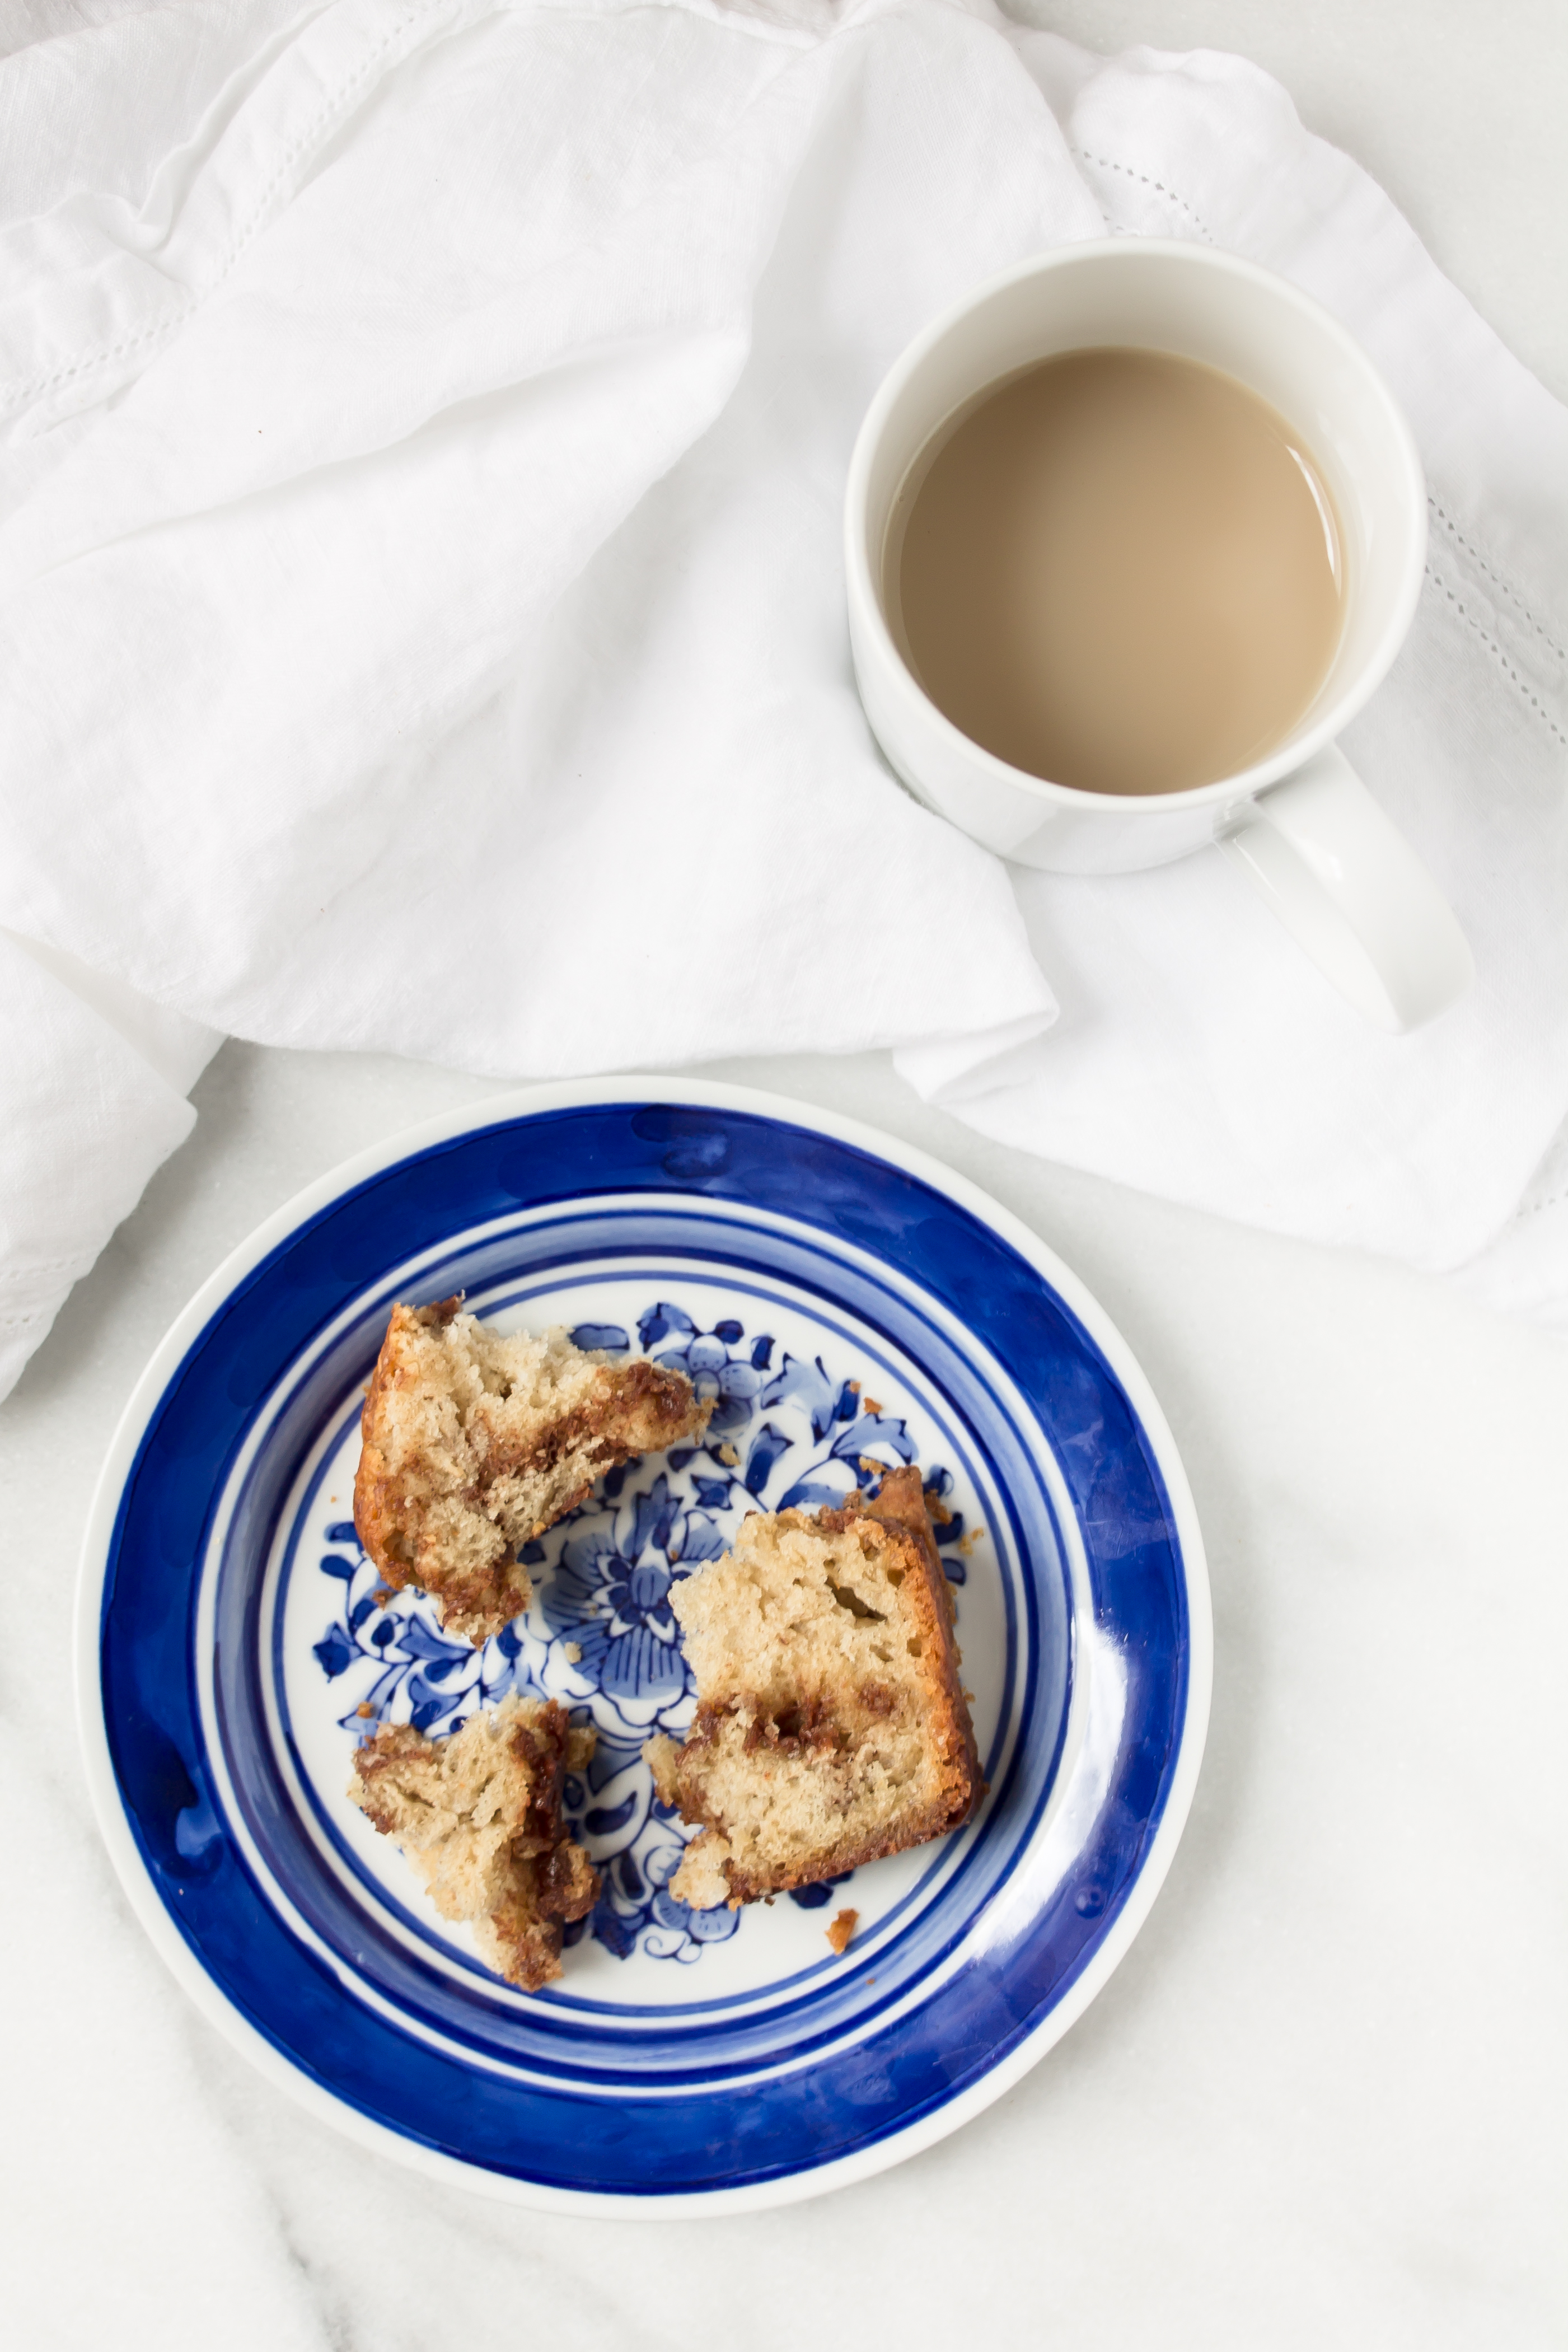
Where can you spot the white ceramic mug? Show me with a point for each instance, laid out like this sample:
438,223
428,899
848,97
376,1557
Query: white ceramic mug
1300,823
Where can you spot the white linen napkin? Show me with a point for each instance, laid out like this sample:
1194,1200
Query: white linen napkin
423,430
1198,1055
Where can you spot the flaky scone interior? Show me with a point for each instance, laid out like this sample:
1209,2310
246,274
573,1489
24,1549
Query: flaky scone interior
478,1816
830,1726
474,1442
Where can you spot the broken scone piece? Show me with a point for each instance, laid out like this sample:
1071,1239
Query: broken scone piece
478,1816
830,1726
475,1441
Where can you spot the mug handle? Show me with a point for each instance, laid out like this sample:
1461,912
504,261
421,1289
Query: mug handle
1350,891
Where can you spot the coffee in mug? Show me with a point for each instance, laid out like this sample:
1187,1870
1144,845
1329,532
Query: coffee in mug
1118,569
1107,605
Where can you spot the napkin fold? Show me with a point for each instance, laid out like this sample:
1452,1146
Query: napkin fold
422,434
94,1080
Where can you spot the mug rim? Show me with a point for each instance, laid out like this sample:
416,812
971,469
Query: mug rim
1242,783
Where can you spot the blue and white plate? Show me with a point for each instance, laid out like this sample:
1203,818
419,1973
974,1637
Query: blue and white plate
850,1304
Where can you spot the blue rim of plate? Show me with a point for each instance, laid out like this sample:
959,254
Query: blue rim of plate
1081,1827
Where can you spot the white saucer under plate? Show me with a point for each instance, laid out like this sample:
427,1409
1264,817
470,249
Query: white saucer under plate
848,1303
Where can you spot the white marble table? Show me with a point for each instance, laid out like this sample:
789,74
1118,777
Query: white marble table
1324,2102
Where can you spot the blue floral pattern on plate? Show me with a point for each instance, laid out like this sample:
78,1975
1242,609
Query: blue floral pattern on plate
214,1723
601,1632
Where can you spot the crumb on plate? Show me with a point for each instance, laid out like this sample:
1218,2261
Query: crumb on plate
843,1927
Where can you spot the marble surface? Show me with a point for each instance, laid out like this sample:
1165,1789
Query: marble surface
1324,2100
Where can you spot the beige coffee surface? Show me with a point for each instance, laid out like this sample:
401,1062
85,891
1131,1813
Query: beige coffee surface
1120,572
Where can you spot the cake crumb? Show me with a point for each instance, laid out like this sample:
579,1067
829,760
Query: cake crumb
842,1928
365,1709
727,1455
870,1404
572,1651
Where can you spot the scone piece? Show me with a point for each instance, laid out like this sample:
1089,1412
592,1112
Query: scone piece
475,1441
830,1726
478,1815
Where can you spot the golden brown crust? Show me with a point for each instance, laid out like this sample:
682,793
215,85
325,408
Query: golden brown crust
901,1505
387,1518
